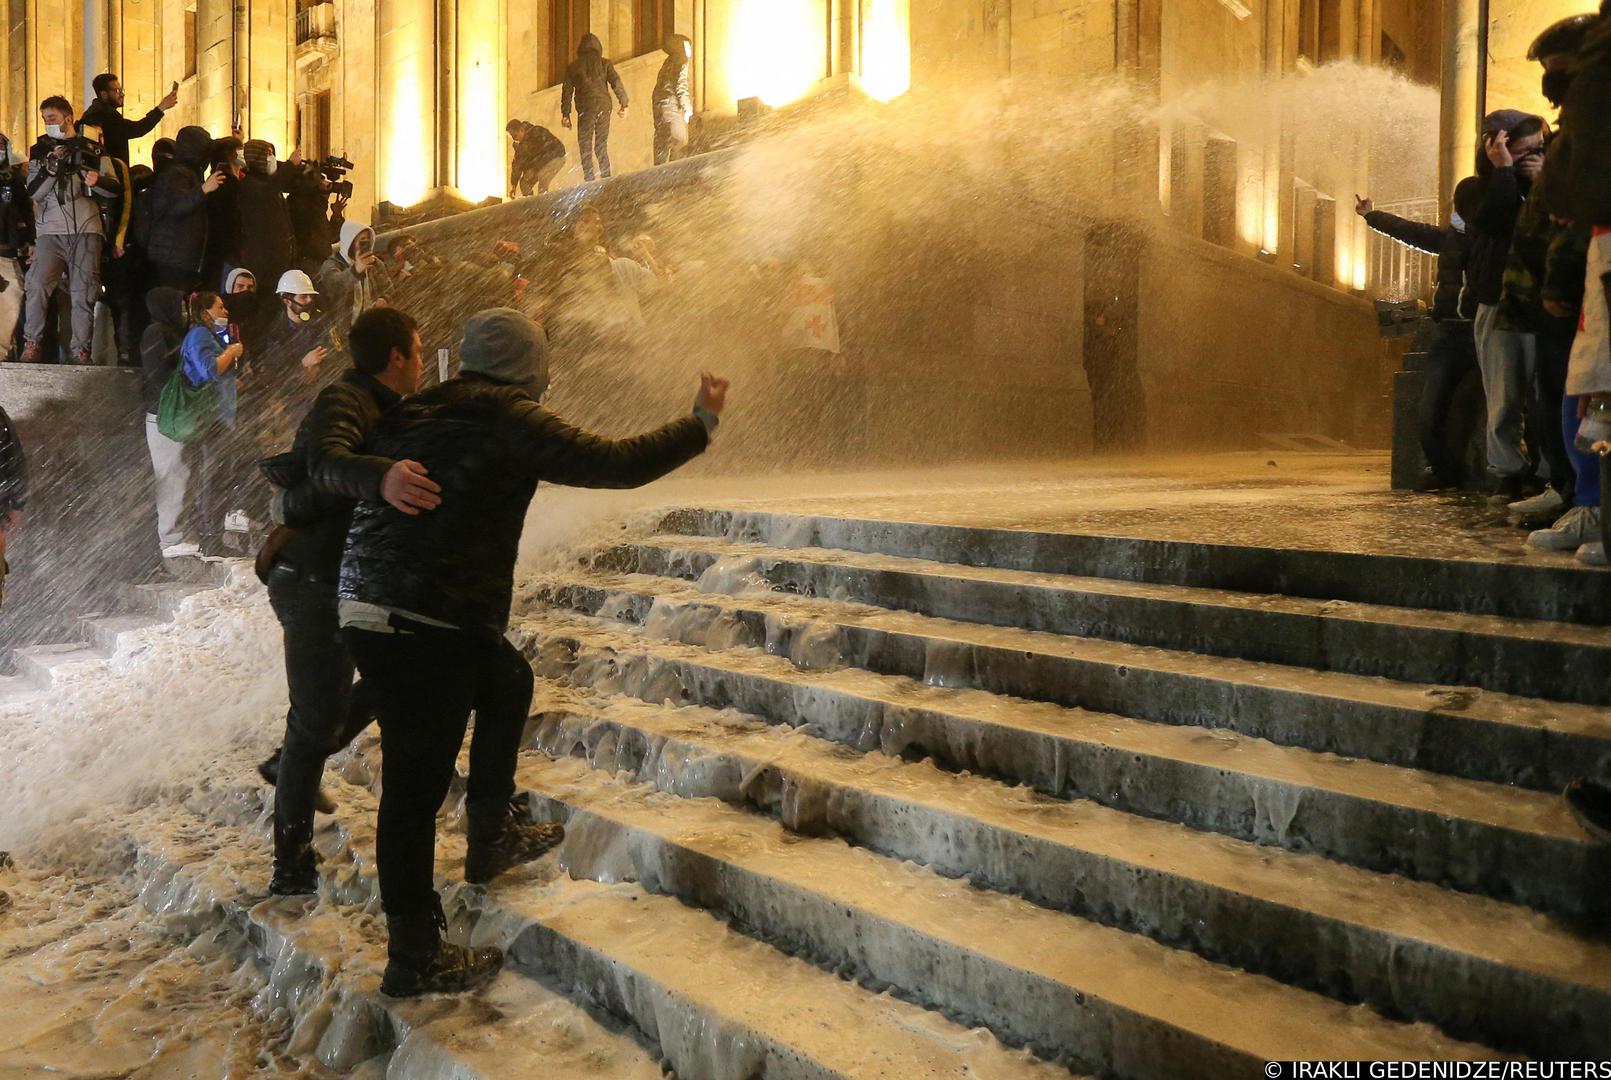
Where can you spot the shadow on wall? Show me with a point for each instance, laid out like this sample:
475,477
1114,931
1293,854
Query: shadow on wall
89,525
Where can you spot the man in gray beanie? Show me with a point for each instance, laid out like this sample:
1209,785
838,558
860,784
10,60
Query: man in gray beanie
425,602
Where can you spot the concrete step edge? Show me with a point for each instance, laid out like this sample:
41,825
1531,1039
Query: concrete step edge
1533,590
1524,657
1482,969
38,663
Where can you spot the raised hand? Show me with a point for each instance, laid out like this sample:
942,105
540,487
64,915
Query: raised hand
712,393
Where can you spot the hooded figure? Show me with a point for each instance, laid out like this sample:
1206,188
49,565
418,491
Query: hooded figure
243,306
672,101
268,244
588,82
159,356
351,279
174,224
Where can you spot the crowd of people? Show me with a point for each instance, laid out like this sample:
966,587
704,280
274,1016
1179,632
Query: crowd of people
1521,298
1524,297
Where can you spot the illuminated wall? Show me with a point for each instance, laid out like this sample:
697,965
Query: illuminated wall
407,100
479,114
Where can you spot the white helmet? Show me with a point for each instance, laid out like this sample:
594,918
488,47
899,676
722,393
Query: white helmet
295,283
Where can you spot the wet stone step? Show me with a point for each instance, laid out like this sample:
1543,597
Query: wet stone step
1515,656
1480,837
1072,989
1482,969
1522,589
40,664
1449,730
323,965
716,1002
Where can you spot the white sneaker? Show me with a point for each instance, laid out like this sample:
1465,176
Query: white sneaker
185,550
1578,526
237,521
1546,502
1592,554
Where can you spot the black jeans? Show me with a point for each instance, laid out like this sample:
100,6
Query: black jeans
1544,411
1453,355
327,712
593,136
426,682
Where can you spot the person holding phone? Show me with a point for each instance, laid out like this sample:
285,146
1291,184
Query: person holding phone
209,354
117,130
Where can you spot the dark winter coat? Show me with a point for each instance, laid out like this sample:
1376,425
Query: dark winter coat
536,148
330,474
589,80
13,468
671,85
159,344
174,225
16,214
1503,194
118,130
488,444
1579,163
1547,262
1449,244
225,227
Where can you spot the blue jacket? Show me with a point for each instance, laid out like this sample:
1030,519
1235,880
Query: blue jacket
199,354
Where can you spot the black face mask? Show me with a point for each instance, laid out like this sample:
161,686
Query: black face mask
301,314
1555,85
240,304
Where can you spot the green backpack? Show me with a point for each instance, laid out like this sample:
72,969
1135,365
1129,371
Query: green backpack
185,413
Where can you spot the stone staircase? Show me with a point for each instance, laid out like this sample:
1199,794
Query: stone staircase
869,799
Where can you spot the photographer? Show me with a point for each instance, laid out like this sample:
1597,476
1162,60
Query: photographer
16,233
68,178
315,221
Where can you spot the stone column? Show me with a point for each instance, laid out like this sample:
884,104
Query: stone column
406,72
1464,37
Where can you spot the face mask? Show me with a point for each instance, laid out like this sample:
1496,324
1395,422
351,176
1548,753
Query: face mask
270,165
1555,86
55,131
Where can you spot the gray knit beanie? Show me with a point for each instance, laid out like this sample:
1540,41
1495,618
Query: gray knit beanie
503,344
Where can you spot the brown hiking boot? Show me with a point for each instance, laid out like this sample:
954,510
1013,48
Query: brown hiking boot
506,842
420,962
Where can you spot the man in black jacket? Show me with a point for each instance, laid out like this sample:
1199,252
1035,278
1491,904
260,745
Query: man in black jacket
1453,351
425,602
175,220
106,112
302,561
539,155
588,82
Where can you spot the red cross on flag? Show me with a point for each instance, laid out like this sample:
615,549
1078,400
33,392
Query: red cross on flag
811,323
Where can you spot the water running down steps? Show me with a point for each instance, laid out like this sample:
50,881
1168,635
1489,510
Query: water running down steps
997,853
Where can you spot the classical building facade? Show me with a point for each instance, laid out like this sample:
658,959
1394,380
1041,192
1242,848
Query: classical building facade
417,92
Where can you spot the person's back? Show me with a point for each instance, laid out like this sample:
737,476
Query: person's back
589,79
176,233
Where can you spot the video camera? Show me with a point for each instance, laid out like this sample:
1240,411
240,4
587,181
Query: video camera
77,154
334,169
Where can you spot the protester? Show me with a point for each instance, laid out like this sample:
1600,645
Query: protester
175,228
224,223
16,234
106,113
208,357
672,101
67,181
13,491
323,475
268,242
539,155
170,460
1512,159
1453,351
588,82
352,280
596,299
425,601
316,219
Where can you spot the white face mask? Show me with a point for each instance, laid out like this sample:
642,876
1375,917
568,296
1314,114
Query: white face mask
54,131
270,165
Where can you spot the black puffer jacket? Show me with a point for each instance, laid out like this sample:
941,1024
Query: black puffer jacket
268,242
488,444
174,225
159,344
589,80
329,474
1503,194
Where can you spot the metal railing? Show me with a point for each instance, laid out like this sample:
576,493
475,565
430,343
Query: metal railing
1398,272
316,22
